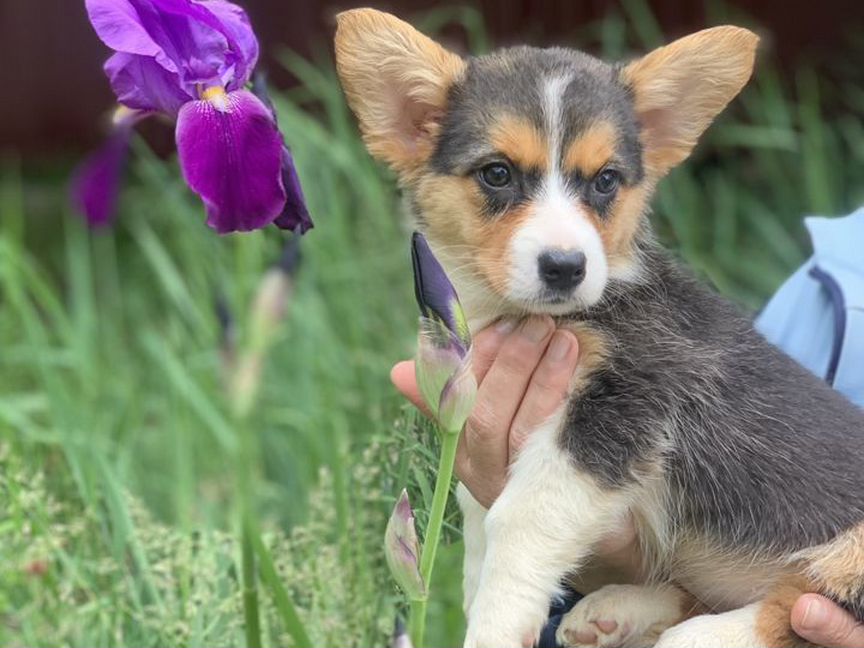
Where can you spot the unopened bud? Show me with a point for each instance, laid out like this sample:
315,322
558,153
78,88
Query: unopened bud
402,549
457,399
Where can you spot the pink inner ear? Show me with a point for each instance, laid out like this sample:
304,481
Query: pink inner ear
418,124
656,125
430,126
665,144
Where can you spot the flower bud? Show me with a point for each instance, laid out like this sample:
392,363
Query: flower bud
402,549
436,296
443,366
457,399
439,357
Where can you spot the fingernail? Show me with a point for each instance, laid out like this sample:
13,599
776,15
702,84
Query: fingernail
559,347
815,615
535,329
504,326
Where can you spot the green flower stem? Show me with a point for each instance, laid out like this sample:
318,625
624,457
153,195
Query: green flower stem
267,315
248,526
417,621
251,614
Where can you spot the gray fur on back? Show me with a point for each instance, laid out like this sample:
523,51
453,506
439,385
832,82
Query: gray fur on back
758,451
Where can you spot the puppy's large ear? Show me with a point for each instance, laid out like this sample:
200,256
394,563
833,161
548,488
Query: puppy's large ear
396,80
679,89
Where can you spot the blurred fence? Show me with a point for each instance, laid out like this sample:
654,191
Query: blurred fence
53,90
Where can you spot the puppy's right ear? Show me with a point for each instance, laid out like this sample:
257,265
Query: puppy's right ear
396,81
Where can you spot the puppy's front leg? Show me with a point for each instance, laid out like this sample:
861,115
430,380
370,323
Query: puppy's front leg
474,535
541,527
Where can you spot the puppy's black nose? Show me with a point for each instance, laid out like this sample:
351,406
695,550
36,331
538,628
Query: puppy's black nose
562,269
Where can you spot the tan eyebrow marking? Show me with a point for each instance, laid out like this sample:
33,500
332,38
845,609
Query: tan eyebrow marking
521,142
591,149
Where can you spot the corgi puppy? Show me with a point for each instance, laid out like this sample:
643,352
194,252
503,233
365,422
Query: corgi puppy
530,173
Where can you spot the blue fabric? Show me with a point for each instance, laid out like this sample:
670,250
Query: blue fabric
559,608
817,317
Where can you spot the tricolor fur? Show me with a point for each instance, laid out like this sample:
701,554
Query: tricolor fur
530,172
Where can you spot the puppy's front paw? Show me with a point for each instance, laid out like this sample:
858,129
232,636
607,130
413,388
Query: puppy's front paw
619,616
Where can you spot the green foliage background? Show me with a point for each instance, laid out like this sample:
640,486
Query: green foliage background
116,445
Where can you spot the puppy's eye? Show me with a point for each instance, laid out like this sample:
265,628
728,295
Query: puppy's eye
607,181
496,175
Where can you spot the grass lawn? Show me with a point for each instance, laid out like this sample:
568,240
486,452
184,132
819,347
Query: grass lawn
118,451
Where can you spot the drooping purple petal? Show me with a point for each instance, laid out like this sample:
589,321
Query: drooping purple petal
141,83
261,89
231,155
295,216
436,296
95,186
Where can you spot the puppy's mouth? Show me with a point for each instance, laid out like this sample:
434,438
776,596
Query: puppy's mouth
551,303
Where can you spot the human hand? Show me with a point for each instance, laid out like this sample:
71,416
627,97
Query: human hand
523,375
823,622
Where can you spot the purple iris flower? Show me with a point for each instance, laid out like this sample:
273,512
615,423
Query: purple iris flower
191,60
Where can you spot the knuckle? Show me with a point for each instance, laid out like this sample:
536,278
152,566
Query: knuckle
847,632
463,468
485,345
482,421
517,360
549,382
546,389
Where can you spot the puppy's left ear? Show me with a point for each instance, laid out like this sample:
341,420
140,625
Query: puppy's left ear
396,81
679,89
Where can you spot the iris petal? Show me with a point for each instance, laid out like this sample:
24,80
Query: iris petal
141,83
95,185
236,23
119,26
202,43
295,216
205,45
231,155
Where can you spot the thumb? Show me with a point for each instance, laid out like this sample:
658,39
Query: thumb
824,623
403,378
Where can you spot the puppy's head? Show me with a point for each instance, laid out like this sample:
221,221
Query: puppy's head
530,169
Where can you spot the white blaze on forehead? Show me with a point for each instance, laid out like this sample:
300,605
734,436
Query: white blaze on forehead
553,113
557,221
